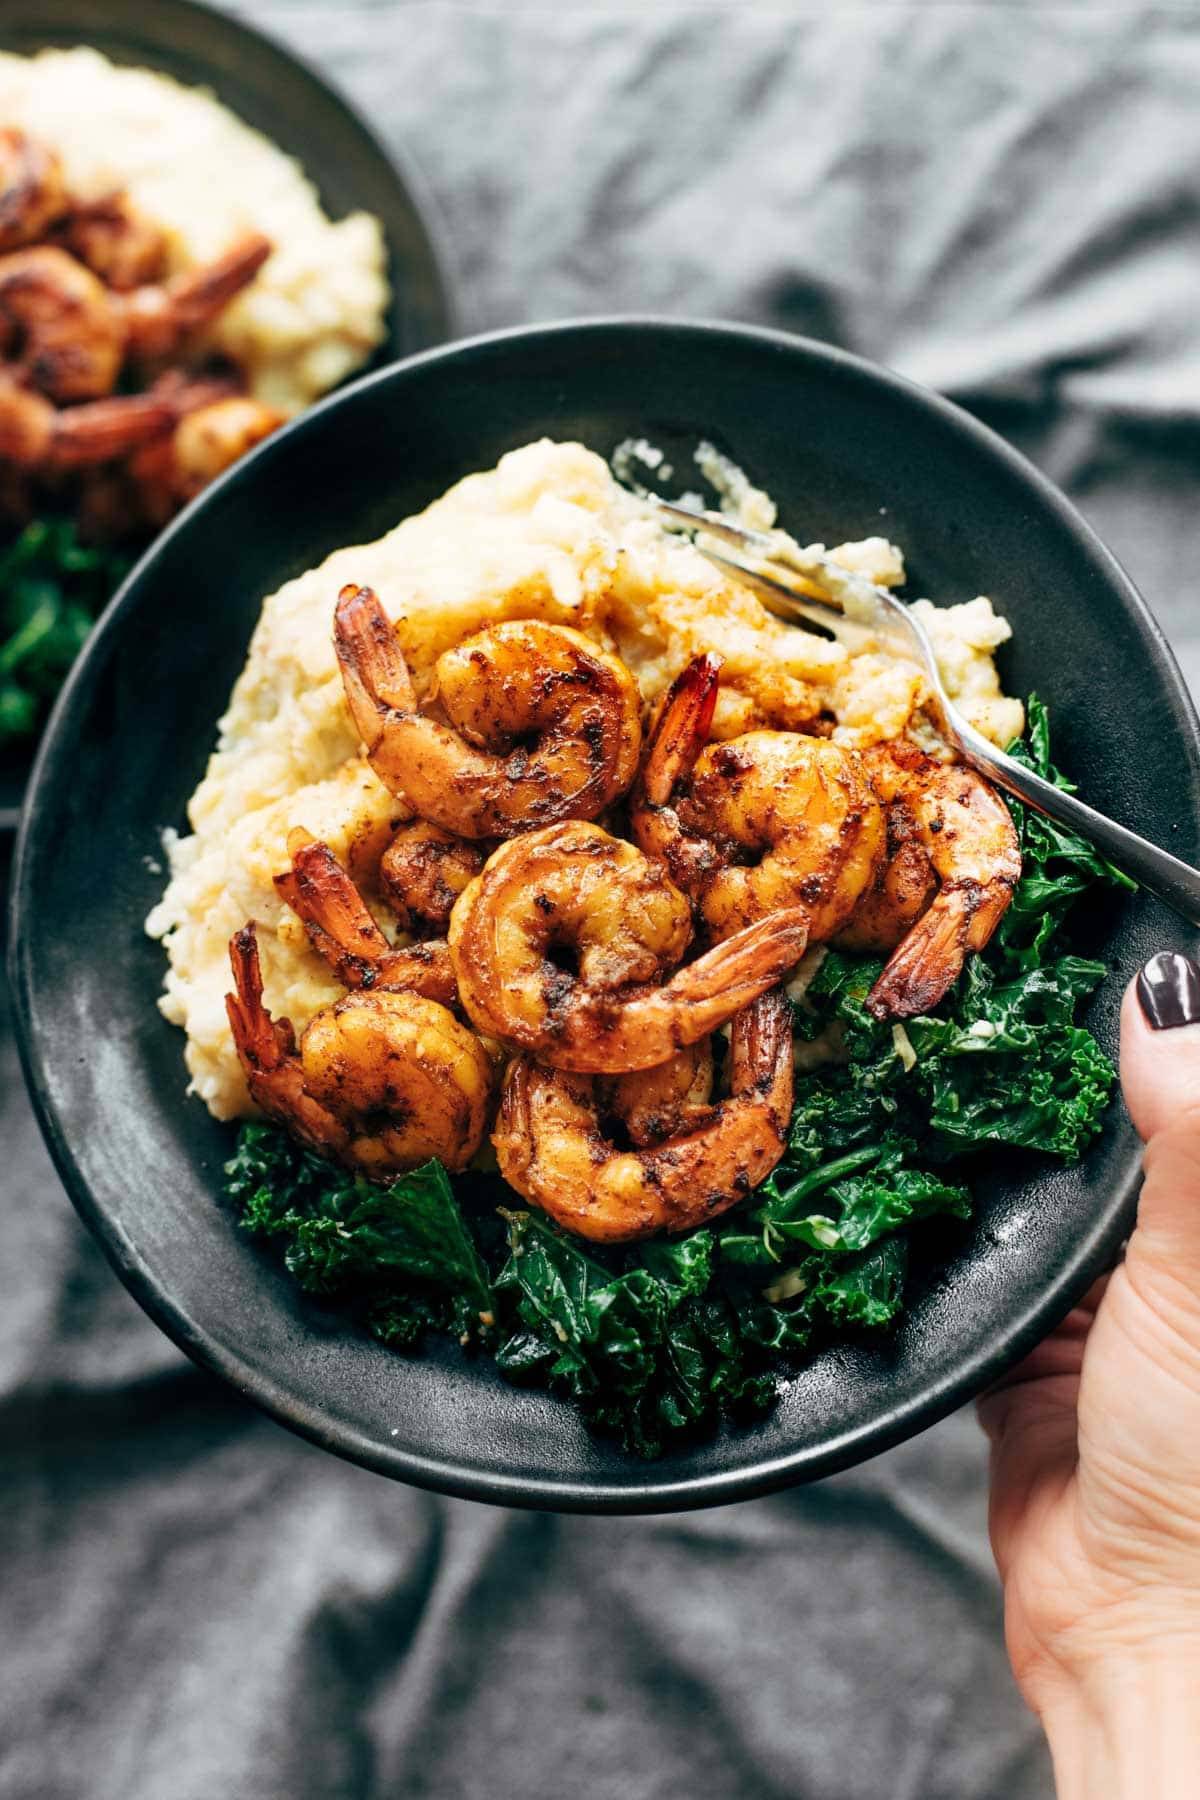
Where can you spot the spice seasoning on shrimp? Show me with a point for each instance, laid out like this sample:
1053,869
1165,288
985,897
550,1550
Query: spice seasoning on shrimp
696,1159
515,681
575,888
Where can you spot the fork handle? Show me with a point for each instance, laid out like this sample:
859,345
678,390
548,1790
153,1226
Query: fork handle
1173,881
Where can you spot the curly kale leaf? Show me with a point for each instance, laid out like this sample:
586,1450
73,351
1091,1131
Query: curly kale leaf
865,1290
1003,1061
830,1293
862,1196
51,589
405,1249
1010,1066
857,1098
1057,864
645,1352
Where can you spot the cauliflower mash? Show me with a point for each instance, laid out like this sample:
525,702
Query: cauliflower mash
548,534
315,312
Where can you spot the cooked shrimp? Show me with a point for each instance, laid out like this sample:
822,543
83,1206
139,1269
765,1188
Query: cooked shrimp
42,438
160,318
972,862
768,820
60,331
64,332
114,502
552,1149
32,194
380,1081
904,889
423,870
478,776
341,929
653,1104
615,925
113,239
207,440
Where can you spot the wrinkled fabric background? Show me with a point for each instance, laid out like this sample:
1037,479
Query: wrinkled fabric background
1004,202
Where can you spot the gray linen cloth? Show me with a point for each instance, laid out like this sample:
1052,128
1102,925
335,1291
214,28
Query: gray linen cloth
1003,202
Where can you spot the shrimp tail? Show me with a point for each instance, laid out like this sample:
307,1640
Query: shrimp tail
679,736
927,962
733,974
340,929
263,1044
513,1121
159,318
683,727
266,1049
186,393
374,673
101,430
200,295
330,907
754,957
760,1053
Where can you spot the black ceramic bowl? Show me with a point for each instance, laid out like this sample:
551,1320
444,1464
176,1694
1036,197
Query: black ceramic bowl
274,91
846,449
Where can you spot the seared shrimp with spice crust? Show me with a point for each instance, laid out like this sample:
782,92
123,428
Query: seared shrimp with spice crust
41,439
423,871
206,441
113,239
208,422
380,1081
341,930
60,331
560,944
478,774
953,864
387,1076
767,820
110,235
67,335
653,1104
552,1145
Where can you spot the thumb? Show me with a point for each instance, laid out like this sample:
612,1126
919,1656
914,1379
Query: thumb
1160,1075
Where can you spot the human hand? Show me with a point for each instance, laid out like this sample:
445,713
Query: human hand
1095,1484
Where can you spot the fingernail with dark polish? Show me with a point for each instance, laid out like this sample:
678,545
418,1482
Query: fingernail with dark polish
1168,989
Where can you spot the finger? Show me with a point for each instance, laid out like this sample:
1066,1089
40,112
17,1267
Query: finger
1160,1043
1032,1430
1160,1073
1060,1353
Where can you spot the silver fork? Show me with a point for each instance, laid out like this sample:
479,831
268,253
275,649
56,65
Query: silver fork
805,584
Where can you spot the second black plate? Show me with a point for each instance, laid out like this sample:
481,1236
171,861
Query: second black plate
275,92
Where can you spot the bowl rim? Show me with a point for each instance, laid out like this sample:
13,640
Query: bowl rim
47,33
1092,1252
